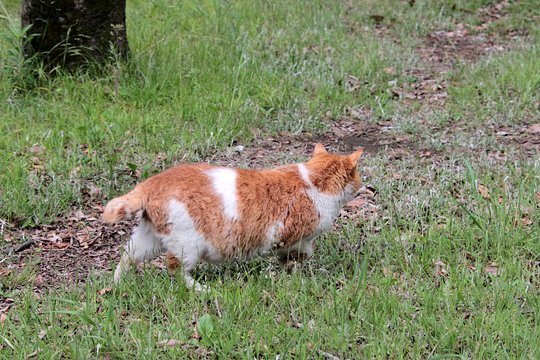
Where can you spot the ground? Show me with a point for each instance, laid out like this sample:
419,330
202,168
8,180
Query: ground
438,256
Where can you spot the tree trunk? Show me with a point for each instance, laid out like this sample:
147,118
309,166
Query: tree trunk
70,33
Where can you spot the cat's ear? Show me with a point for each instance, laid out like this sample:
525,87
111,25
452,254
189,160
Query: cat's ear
319,149
355,156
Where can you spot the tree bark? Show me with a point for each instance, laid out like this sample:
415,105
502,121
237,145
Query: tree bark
71,33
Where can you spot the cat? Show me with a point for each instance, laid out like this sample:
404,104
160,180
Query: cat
218,213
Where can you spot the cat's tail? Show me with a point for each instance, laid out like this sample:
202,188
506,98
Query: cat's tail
123,207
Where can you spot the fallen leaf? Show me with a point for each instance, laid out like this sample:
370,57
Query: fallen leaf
492,269
3,318
79,214
298,325
440,268
356,203
327,355
537,196
377,18
62,245
5,272
55,238
104,291
534,129
351,83
390,70
393,275
312,48
195,335
36,149
170,343
483,190
42,334
75,171
34,354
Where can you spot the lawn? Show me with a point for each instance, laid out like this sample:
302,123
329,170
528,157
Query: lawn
439,257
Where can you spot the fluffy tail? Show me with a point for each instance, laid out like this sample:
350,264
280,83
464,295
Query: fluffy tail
123,207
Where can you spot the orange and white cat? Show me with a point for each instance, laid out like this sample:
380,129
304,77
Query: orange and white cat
217,213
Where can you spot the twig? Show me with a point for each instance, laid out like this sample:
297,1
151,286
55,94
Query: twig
328,355
218,309
25,245
3,224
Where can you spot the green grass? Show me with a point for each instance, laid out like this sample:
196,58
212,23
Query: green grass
411,283
509,97
202,75
382,298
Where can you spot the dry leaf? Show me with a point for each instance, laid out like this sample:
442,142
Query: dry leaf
3,318
34,354
5,272
492,269
537,196
377,18
38,280
351,83
37,149
196,335
170,343
483,191
390,70
312,48
62,245
356,203
534,129
55,238
42,334
393,275
104,291
440,268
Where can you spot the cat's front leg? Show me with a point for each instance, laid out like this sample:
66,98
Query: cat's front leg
292,257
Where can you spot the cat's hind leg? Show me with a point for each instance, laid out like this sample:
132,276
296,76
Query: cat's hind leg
144,245
298,252
185,243
183,252
293,256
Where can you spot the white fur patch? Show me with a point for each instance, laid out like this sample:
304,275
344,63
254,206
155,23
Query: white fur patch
273,235
184,241
224,184
304,172
327,205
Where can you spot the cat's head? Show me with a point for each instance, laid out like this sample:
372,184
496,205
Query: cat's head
335,174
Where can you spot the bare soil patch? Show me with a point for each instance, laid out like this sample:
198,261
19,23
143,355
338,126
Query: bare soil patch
526,137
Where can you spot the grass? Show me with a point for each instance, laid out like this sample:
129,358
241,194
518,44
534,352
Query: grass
442,272
385,298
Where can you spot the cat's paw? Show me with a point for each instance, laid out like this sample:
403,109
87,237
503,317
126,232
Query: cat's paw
201,288
117,275
292,266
